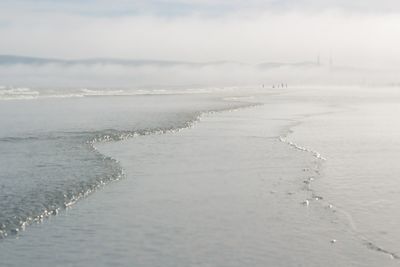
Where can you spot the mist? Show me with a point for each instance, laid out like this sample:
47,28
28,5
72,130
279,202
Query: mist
347,43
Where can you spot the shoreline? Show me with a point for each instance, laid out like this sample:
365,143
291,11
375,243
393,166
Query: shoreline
198,192
99,137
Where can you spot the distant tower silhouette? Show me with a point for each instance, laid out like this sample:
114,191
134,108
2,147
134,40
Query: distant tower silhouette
318,60
330,61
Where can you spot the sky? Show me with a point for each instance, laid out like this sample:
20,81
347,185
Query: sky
353,32
358,33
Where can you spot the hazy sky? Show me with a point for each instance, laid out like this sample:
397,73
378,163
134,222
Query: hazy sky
356,33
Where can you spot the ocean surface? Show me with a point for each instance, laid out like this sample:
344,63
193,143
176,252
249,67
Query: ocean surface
48,158
204,177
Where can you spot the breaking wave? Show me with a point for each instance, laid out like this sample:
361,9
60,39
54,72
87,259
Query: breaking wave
24,93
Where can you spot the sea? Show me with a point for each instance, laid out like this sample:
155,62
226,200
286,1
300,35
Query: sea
233,176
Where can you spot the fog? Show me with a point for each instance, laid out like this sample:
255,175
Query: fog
191,76
347,42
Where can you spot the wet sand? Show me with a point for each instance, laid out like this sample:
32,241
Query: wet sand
226,192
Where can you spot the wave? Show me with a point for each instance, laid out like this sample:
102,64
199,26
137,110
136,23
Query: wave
17,93
55,190
11,93
90,169
320,199
301,148
25,93
89,92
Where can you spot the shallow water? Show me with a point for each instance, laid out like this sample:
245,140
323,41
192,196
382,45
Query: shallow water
47,156
360,140
263,186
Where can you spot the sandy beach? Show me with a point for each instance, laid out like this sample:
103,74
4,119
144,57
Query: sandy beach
228,191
